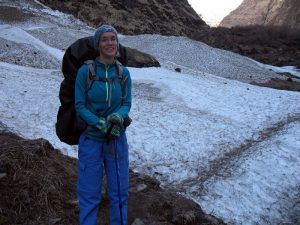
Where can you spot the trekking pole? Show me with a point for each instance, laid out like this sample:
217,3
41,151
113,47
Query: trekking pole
116,158
118,182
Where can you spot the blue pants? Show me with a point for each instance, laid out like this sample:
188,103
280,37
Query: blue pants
93,156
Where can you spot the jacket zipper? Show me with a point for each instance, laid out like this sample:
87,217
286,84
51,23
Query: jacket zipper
108,87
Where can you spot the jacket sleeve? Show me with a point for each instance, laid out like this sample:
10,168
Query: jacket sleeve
80,98
126,102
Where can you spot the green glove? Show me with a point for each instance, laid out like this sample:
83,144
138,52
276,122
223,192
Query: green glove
102,125
115,132
115,118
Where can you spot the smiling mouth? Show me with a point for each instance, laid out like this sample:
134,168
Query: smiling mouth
110,49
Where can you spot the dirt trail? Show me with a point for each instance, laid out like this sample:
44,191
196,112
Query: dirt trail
223,166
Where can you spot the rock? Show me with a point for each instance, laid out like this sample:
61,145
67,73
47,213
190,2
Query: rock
138,221
139,59
2,175
137,188
73,202
141,187
53,221
178,69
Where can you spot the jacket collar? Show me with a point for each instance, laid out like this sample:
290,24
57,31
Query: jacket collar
98,62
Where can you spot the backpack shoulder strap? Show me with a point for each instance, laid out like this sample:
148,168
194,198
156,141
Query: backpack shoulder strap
91,74
122,78
120,72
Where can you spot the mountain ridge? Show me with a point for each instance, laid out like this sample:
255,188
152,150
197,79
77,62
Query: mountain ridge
266,13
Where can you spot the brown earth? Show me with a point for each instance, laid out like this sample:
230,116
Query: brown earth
278,46
38,186
275,83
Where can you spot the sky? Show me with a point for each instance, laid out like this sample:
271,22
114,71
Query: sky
185,125
213,11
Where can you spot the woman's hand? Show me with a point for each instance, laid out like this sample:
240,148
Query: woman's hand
115,118
102,125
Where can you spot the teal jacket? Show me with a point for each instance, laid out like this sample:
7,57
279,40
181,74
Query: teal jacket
98,101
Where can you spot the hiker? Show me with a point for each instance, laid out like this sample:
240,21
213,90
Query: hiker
103,145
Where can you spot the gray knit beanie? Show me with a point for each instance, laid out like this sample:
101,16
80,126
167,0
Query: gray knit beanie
103,29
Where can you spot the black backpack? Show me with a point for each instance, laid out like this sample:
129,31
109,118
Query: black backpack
68,126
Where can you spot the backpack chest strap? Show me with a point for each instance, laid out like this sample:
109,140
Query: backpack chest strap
104,79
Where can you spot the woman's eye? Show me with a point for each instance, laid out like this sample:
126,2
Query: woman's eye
107,40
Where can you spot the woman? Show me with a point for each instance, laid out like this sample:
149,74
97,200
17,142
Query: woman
103,107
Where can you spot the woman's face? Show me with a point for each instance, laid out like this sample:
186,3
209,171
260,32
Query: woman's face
108,45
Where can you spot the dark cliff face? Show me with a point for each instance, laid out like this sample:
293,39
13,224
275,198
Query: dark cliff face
166,17
266,13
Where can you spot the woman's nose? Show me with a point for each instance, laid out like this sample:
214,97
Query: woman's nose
110,41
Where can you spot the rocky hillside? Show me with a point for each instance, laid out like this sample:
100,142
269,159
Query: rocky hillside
168,17
265,12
